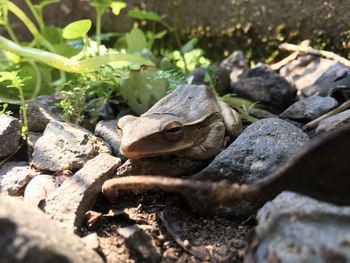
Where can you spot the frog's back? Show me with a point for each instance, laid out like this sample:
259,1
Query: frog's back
189,102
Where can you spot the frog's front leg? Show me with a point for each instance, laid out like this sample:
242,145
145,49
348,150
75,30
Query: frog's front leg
231,119
211,144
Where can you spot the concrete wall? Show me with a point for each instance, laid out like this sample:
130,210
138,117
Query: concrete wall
331,16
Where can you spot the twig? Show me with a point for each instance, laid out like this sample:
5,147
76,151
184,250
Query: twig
277,66
310,50
315,122
312,172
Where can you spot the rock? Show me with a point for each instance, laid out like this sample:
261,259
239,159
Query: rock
139,243
309,108
91,241
14,176
263,85
294,228
39,188
30,236
236,64
69,203
10,135
333,122
107,130
313,75
220,77
261,114
262,147
166,166
32,138
304,71
66,146
333,81
41,111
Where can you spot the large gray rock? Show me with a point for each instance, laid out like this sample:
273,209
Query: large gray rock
65,146
107,130
69,203
10,135
14,176
309,108
30,236
41,111
262,147
294,228
333,122
263,85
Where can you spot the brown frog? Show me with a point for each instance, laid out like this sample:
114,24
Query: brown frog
190,122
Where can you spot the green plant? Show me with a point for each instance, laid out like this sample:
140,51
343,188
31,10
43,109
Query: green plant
5,112
243,106
13,81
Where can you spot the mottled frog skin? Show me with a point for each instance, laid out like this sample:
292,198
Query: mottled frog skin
190,122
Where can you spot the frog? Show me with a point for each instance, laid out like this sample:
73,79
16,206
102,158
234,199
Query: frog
190,122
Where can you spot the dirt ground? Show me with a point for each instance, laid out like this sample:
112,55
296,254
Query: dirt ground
222,239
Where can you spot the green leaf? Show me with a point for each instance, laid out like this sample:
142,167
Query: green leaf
77,29
141,92
189,45
52,34
117,6
66,50
144,15
136,41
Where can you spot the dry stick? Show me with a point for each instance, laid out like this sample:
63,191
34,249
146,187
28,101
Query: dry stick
315,122
277,66
310,50
312,172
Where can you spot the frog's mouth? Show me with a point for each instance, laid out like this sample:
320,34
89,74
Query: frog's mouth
153,149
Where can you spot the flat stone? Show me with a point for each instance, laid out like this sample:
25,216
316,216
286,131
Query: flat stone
263,85
69,203
236,64
333,122
30,236
66,146
10,135
14,176
295,228
309,108
263,146
139,244
167,166
39,188
107,130
41,111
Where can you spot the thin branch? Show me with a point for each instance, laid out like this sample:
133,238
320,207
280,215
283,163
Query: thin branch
277,66
310,50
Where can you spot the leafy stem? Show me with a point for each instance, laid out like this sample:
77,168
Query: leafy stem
36,15
67,64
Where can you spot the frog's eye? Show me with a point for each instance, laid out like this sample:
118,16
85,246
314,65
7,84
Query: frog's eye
173,131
